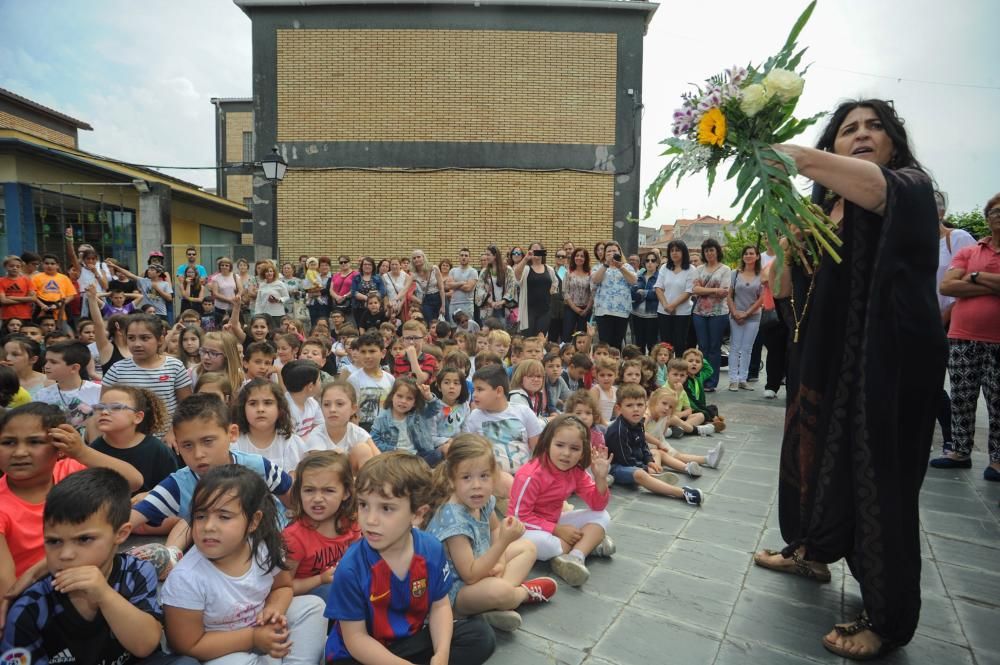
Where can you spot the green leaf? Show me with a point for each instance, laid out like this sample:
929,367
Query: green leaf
711,176
797,28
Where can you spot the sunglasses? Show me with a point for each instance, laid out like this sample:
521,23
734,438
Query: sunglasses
344,263
517,253
652,260
560,256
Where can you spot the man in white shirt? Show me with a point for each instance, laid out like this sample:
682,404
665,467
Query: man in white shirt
462,279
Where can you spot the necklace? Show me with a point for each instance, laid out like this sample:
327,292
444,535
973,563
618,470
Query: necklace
805,308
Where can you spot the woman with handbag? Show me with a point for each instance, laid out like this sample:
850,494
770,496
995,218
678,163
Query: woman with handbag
495,288
744,300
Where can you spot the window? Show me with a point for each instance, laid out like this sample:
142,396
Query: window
247,146
109,227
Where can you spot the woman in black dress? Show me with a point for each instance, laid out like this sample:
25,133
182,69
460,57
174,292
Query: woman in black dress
860,411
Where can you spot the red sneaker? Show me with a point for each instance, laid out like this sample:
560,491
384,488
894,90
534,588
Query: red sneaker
540,590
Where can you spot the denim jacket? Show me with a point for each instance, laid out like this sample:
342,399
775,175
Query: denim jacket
419,427
648,303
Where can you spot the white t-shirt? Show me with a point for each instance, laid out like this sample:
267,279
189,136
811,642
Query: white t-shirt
286,453
508,431
371,393
226,603
306,419
320,439
958,239
673,285
78,405
462,299
403,436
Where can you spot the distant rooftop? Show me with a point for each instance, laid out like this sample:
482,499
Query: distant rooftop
223,100
625,5
40,108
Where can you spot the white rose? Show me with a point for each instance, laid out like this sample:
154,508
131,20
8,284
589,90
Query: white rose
783,83
753,98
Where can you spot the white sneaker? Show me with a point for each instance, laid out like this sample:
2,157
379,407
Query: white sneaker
506,620
745,386
693,469
606,548
610,479
668,477
570,569
770,394
733,387
705,430
714,456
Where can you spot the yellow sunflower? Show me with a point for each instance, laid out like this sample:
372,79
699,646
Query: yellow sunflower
712,128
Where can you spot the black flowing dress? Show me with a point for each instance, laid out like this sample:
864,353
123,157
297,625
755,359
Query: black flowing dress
863,385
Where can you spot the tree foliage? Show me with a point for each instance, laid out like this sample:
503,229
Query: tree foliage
971,221
735,242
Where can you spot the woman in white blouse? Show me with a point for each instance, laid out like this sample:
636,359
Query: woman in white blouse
674,286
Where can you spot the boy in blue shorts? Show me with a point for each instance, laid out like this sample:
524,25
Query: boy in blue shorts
390,595
96,605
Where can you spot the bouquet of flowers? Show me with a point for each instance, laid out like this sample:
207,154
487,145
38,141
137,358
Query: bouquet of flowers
740,114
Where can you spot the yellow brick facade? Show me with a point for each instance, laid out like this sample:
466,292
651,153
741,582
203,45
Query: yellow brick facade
236,124
239,187
384,214
8,121
498,86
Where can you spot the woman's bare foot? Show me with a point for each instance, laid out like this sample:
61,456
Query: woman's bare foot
861,645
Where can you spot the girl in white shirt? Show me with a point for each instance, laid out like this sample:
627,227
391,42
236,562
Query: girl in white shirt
229,598
339,402
265,423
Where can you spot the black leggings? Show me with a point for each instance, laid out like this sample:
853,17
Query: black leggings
674,330
645,334
612,329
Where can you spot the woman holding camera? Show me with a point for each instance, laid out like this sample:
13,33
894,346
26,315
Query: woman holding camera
612,278
538,282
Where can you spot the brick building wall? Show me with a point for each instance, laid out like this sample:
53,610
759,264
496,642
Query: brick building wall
446,123
236,124
500,86
386,214
9,121
239,187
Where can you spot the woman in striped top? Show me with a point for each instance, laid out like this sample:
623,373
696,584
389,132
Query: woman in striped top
149,367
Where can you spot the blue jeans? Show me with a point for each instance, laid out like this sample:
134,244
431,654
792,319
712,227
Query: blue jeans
431,308
710,330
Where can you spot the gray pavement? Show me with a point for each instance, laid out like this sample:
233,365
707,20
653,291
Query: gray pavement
683,589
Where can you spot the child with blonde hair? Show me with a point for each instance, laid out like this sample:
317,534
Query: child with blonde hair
528,388
662,354
489,559
661,424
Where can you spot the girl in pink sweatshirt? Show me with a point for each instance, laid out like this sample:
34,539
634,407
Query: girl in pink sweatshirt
557,470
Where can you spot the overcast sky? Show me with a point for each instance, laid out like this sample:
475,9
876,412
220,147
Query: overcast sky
142,75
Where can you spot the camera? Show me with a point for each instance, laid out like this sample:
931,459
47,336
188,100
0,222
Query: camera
617,257
540,253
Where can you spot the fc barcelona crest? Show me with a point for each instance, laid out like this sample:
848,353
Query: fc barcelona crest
418,588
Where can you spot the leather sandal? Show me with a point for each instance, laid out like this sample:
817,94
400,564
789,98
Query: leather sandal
808,569
860,624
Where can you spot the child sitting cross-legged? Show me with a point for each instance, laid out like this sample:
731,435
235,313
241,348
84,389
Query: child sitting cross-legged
325,522
699,370
389,598
557,470
660,426
95,605
230,600
632,462
685,419
488,558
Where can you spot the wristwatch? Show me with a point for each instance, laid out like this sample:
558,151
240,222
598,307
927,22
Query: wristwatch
973,277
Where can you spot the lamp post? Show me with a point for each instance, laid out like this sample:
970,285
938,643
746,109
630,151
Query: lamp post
274,170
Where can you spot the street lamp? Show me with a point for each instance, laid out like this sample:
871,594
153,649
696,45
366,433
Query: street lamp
274,170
